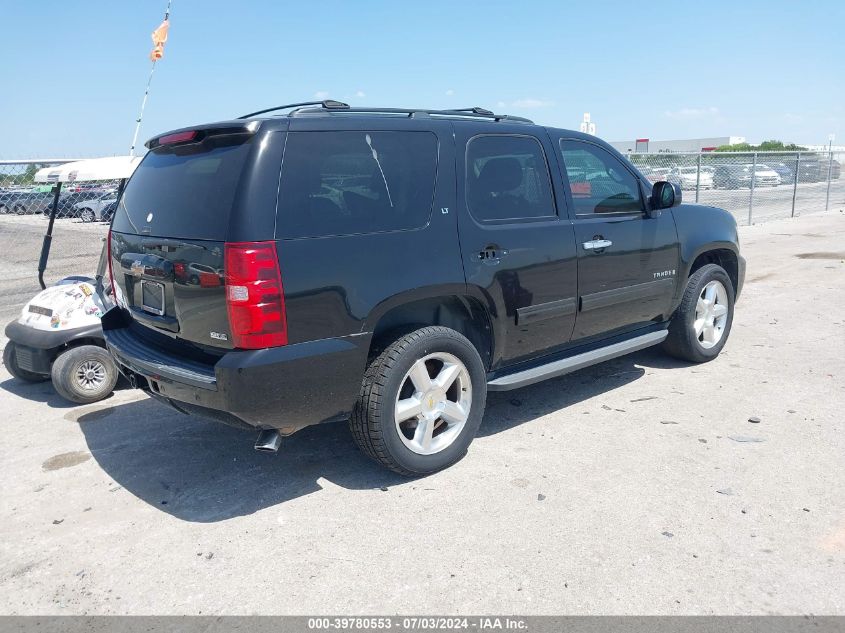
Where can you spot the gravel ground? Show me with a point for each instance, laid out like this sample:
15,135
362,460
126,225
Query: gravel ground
639,486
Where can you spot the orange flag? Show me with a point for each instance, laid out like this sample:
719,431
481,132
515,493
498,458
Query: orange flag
159,38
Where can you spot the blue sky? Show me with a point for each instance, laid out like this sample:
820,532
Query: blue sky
75,71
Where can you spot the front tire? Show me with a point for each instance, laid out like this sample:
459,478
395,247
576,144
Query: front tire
700,326
11,362
84,374
87,215
421,403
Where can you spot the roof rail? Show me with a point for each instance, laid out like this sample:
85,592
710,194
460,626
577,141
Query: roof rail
475,112
327,104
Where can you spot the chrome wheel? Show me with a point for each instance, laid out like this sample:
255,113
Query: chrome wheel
433,403
87,215
90,375
711,314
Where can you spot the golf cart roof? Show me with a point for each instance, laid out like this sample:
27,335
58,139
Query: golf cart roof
109,168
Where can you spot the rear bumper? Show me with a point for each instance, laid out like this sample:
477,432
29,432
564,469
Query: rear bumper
285,388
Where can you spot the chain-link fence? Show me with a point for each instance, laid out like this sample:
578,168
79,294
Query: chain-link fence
754,186
83,212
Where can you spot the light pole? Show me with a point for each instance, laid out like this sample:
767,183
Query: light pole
830,138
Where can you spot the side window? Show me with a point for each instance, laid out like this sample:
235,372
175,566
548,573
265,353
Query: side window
341,183
507,179
600,183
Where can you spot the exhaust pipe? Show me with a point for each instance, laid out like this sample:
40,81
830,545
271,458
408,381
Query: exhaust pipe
268,441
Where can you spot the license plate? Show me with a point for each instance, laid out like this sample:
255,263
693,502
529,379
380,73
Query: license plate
152,297
42,311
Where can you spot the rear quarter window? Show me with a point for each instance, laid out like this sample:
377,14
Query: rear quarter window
351,182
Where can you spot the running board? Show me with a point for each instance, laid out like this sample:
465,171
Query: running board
574,363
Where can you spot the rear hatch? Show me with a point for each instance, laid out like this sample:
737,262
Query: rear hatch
169,232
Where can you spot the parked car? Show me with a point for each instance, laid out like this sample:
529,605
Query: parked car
783,170
688,177
658,174
395,268
68,201
764,176
814,169
7,197
28,203
92,210
735,176
108,211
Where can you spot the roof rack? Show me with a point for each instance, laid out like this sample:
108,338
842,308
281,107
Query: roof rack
327,104
475,112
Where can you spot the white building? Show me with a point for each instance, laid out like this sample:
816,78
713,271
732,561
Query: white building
587,126
684,145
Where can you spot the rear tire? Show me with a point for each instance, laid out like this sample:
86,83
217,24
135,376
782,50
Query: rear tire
435,377
11,363
84,374
700,326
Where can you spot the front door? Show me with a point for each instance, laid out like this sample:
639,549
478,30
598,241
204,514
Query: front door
627,262
518,253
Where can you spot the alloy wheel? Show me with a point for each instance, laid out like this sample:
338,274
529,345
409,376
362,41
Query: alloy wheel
433,403
711,314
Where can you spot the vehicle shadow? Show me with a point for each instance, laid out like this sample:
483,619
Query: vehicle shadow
203,471
44,392
512,408
37,392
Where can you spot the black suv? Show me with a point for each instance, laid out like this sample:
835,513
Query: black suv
389,267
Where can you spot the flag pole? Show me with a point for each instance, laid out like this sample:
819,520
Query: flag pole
146,92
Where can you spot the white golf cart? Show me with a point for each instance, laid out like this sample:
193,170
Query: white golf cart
58,335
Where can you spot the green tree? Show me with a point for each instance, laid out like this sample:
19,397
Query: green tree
766,146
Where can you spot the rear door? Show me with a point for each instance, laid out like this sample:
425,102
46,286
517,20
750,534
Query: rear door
627,262
181,205
518,252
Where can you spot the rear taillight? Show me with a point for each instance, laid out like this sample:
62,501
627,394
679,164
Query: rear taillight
254,295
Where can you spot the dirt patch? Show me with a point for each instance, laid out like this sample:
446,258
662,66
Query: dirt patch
65,460
821,255
754,280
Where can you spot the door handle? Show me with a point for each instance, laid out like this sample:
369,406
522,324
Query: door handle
491,254
595,245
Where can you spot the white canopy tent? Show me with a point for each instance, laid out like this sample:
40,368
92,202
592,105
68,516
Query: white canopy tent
109,168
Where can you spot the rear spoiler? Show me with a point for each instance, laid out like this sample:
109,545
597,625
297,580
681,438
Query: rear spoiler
192,135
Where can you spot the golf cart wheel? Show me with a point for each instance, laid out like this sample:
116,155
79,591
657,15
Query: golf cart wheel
87,215
84,374
11,363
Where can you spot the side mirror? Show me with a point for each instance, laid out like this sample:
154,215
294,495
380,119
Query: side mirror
664,195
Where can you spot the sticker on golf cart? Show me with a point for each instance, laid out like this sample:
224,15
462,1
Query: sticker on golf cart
63,307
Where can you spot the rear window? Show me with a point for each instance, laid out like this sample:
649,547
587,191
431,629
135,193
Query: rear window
342,183
184,191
